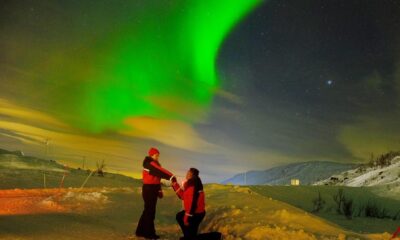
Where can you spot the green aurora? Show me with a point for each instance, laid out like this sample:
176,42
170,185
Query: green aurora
160,64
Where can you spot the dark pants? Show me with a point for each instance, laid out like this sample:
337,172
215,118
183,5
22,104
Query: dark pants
145,226
190,232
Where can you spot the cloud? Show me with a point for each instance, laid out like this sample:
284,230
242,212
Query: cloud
15,111
169,132
375,132
371,135
374,83
397,81
66,140
230,97
178,106
20,138
30,129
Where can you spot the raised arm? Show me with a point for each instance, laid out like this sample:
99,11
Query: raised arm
178,190
156,170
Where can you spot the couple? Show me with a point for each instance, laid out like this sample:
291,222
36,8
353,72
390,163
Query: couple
191,194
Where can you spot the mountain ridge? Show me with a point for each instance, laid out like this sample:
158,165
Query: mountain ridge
306,172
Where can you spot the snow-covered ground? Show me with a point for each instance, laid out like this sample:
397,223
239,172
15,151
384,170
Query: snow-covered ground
46,201
237,212
372,176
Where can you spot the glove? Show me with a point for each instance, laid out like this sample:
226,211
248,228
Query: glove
186,220
160,194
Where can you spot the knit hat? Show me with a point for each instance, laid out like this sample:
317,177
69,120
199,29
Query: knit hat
153,151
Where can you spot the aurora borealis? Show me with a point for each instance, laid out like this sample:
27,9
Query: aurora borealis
165,54
244,84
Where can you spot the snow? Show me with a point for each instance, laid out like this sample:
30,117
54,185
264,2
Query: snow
237,212
380,176
39,201
372,176
257,217
94,197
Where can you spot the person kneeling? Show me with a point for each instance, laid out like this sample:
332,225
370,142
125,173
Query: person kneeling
193,198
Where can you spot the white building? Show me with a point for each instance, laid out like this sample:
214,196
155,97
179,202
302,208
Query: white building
295,182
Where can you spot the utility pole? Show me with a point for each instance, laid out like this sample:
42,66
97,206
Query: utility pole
44,180
83,162
64,175
47,144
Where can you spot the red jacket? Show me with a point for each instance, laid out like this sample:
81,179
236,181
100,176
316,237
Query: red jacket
192,195
153,172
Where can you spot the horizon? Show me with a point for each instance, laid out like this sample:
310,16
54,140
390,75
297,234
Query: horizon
180,176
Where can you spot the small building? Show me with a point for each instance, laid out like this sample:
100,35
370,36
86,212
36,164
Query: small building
295,182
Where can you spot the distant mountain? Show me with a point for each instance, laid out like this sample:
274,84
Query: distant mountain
20,171
306,172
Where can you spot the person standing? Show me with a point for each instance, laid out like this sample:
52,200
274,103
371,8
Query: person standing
193,198
151,190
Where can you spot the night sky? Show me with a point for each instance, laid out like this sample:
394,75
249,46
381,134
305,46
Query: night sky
224,86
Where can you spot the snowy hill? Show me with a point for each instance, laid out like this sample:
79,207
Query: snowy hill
306,172
26,172
367,176
16,160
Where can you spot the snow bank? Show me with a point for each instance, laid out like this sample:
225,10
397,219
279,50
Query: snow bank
88,197
266,232
35,201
